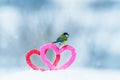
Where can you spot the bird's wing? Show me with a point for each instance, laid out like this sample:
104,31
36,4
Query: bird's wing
61,39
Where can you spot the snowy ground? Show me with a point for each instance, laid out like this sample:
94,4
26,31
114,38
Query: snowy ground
77,74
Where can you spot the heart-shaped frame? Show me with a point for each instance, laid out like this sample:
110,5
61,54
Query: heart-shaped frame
57,52
37,52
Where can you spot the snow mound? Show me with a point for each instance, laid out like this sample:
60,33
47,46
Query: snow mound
79,74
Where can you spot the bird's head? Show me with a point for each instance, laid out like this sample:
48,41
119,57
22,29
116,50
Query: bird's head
66,34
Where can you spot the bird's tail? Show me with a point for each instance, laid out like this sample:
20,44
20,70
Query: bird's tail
54,42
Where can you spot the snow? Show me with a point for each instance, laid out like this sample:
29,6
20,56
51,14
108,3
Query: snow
73,74
94,33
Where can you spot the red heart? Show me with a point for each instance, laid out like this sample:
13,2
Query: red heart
37,52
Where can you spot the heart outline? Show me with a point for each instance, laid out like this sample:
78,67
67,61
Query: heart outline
29,62
57,52
37,52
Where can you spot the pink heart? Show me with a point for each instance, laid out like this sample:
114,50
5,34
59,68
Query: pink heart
57,52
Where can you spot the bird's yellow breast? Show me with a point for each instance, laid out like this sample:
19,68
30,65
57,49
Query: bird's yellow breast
64,42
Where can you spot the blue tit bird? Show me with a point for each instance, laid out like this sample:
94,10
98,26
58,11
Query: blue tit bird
62,39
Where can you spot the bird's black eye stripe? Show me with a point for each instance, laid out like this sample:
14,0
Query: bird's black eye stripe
65,33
